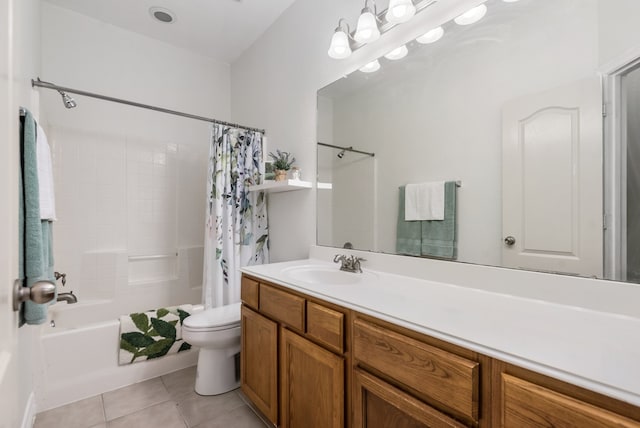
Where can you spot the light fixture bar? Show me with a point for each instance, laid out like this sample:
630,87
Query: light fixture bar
386,25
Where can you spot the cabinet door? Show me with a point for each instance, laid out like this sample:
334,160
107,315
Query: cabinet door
528,405
312,384
259,362
377,404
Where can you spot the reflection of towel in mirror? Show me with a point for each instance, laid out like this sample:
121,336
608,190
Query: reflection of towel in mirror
434,238
439,237
424,201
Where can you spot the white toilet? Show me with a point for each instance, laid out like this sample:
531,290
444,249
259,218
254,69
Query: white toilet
216,332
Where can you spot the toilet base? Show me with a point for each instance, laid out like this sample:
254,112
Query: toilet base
216,373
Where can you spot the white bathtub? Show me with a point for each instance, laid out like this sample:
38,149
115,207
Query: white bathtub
80,355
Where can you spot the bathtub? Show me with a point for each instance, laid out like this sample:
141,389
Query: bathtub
79,356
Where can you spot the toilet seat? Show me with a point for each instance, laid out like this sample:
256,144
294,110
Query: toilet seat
214,319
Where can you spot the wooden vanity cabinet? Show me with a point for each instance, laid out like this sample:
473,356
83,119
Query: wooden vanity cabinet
530,400
259,362
294,356
306,363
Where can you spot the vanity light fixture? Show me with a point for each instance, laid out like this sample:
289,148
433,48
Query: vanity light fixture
400,11
472,15
397,53
367,29
431,36
371,67
340,47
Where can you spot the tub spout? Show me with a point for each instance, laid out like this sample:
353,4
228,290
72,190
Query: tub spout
67,297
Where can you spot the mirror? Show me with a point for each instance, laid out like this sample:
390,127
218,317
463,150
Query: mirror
511,109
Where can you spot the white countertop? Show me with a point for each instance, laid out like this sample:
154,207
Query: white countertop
594,349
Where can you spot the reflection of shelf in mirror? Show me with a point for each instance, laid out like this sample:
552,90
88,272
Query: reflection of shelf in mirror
325,186
280,186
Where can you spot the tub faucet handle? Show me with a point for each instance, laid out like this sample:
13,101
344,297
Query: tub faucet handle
59,275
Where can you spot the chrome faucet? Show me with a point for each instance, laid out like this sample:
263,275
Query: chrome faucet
349,263
67,297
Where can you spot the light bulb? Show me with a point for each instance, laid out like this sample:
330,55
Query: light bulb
400,11
371,67
397,53
431,36
367,29
472,15
339,47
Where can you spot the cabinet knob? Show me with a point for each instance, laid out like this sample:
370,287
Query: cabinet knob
509,240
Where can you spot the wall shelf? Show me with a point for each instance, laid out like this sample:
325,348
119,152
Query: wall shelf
281,186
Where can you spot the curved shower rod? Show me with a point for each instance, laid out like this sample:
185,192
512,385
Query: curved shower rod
49,85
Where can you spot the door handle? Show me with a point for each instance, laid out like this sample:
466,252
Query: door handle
509,240
40,292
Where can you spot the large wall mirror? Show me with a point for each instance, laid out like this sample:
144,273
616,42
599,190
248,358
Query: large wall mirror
511,109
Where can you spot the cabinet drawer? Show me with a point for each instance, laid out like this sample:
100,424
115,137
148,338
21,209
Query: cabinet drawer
529,405
378,404
249,292
326,326
444,377
282,306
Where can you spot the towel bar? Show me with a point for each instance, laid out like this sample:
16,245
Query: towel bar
152,257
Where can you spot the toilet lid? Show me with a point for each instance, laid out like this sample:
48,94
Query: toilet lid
214,318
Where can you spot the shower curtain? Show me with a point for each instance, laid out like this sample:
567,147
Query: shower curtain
236,232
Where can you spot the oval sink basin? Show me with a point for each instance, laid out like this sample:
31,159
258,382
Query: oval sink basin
323,275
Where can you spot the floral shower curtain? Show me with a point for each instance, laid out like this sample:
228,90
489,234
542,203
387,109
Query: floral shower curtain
236,222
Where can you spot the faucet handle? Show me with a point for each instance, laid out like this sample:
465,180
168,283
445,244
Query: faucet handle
59,275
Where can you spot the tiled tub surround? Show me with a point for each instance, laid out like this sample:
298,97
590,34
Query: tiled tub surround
584,332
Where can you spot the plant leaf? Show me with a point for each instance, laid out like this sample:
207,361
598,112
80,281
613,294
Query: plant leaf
137,339
127,346
182,314
141,321
163,328
184,347
158,349
162,312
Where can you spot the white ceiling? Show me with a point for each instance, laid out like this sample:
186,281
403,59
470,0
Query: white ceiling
220,29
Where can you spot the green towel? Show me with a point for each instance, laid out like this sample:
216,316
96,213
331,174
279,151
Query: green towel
439,236
409,233
36,254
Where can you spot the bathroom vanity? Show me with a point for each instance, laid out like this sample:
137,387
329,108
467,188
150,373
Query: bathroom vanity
352,351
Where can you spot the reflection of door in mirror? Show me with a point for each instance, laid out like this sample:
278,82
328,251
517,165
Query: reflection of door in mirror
631,121
552,180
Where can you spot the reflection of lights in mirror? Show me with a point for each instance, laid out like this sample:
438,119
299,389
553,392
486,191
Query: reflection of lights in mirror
472,15
371,67
397,53
431,36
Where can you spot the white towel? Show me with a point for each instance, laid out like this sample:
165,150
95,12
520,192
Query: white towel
45,177
424,201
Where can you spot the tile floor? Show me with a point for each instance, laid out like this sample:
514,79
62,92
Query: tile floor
168,401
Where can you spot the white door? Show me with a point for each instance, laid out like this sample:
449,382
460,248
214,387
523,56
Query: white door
552,180
10,415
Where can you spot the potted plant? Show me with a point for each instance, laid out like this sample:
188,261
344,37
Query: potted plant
282,162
